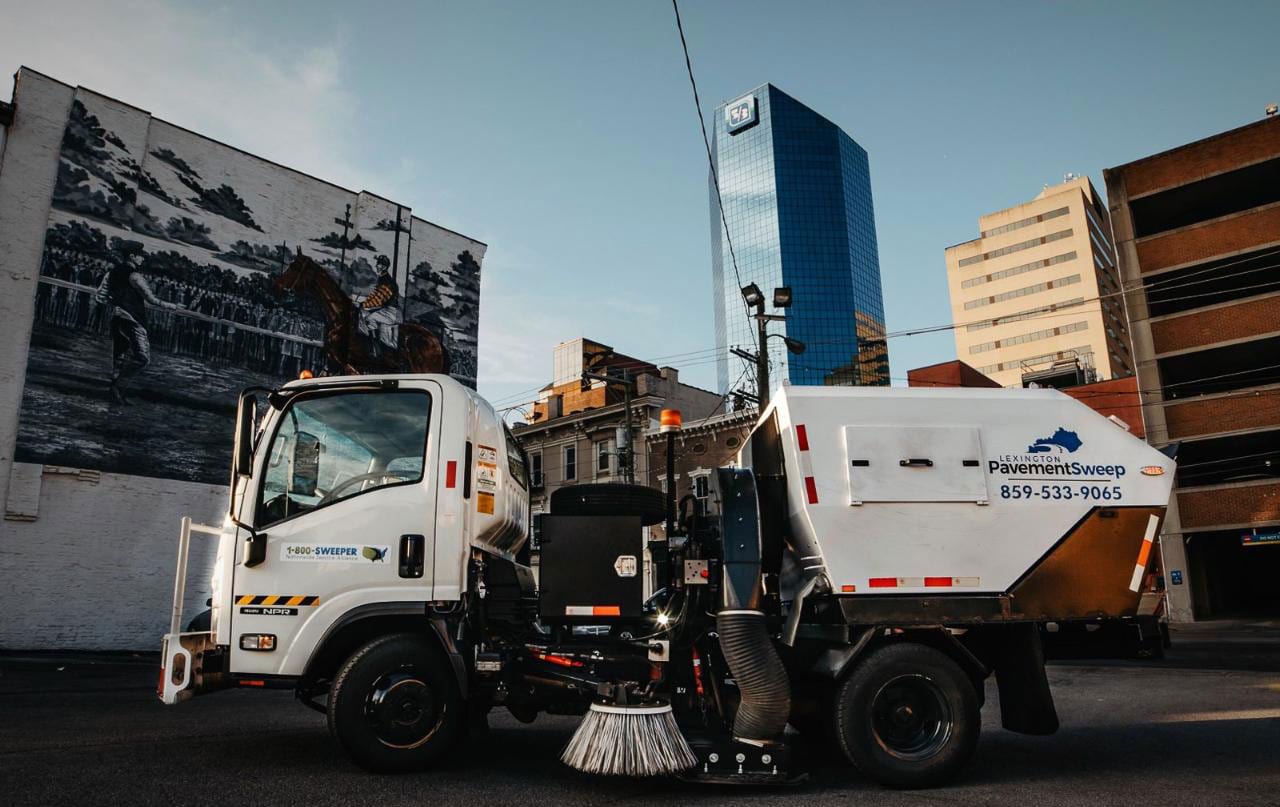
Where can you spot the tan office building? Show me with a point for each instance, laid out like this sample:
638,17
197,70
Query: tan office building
1035,296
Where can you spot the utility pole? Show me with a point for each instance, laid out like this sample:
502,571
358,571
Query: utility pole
626,459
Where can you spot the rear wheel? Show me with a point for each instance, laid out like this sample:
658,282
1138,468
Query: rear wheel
394,704
907,716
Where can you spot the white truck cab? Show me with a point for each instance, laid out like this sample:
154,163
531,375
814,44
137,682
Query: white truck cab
436,472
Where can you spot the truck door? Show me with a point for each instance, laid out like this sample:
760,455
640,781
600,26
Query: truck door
345,507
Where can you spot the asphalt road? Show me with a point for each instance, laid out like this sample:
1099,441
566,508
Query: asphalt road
89,731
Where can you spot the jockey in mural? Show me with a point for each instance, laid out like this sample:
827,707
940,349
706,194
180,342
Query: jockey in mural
380,315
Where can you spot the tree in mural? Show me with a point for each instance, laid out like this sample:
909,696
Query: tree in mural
189,232
221,201
336,241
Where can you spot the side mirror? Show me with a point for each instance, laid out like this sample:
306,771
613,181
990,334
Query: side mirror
242,454
304,472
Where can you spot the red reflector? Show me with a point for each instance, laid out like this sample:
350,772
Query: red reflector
253,683
706,574
451,474
811,489
606,610
938,582
802,437
883,582
847,589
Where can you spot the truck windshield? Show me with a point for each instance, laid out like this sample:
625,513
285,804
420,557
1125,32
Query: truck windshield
331,447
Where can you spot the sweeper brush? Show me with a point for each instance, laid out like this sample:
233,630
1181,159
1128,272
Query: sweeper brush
641,740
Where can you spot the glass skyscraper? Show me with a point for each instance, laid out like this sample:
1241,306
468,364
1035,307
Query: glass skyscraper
797,199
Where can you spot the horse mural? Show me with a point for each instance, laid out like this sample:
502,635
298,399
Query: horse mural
418,349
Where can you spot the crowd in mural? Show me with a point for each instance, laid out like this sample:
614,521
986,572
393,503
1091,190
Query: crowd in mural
280,340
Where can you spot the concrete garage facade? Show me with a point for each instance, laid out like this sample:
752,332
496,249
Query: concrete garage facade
1198,235
94,486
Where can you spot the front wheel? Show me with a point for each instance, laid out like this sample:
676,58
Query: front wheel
907,716
394,704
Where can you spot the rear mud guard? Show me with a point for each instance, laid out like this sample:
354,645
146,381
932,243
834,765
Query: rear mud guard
1026,703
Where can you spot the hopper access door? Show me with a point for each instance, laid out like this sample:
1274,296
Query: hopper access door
915,464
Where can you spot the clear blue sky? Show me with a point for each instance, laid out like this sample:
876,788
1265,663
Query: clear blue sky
563,134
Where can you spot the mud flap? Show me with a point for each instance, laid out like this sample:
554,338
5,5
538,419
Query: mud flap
1026,704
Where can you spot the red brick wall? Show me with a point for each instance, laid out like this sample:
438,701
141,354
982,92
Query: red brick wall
1242,505
1118,397
1239,411
1261,226
1252,318
948,374
1197,160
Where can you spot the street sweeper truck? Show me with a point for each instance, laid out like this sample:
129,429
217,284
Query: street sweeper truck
850,582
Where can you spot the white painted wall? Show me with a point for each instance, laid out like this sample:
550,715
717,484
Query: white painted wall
95,569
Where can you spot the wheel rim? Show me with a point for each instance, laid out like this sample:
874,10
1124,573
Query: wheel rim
911,718
403,709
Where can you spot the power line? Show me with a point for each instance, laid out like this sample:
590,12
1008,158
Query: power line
706,141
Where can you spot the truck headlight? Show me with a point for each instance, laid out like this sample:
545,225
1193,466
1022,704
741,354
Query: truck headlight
258,641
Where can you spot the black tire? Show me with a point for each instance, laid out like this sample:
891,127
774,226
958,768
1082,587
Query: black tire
907,716
394,705
201,622
611,499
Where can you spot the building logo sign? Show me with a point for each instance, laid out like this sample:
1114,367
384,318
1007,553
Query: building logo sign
741,114
319,553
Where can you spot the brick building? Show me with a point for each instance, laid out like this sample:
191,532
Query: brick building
576,430
1197,231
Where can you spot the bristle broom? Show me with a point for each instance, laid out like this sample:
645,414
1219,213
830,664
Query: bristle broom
639,740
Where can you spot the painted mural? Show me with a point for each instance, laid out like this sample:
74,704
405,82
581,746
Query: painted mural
177,270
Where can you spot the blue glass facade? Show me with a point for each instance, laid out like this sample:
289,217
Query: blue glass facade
797,199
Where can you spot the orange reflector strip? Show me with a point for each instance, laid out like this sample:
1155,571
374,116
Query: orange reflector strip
605,610
1144,554
847,589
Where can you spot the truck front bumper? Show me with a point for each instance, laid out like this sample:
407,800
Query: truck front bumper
190,664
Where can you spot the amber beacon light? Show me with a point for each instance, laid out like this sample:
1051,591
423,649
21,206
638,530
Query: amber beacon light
669,421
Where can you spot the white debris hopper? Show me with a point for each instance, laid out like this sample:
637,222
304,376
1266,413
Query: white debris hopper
983,504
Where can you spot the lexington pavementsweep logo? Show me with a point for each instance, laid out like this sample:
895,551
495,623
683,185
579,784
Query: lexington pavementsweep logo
1062,441
1048,457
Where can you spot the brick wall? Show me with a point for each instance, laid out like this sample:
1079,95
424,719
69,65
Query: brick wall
1250,318
1213,155
1242,504
1203,241
1251,410
1118,396
948,374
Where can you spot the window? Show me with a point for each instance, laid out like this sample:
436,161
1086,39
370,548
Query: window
1034,242
1028,337
1009,295
602,457
331,447
700,487
516,462
1017,225
535,469
570,463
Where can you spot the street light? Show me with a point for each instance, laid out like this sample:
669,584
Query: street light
793,345
782,297
752,294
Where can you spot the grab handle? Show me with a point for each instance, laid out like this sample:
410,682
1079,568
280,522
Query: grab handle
916,462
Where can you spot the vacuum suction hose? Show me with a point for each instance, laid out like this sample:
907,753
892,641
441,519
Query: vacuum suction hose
740,622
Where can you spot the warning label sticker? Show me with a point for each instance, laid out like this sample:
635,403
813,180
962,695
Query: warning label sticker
484,503
486,478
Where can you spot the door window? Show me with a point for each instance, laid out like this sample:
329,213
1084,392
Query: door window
331,447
